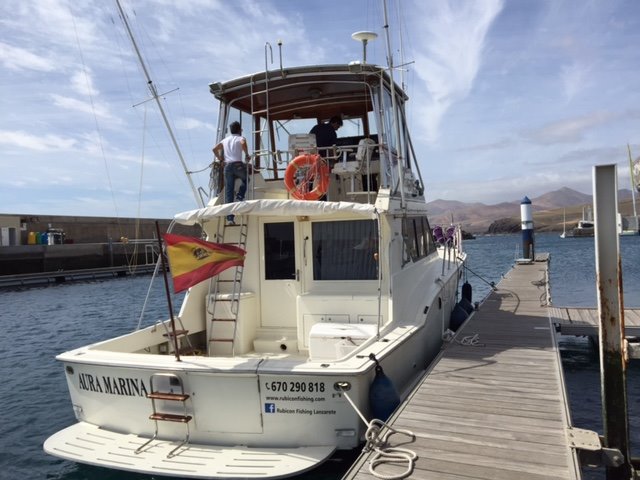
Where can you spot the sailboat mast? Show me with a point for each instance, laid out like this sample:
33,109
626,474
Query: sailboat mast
154,92
633,184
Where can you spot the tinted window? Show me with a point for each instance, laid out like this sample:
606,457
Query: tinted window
345,250
279,253
417,237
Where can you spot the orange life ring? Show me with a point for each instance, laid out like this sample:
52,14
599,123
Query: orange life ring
315,174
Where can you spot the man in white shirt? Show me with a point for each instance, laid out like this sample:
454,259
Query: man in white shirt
230,151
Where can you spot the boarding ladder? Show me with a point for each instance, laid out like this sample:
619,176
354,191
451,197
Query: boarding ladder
167,388
223,302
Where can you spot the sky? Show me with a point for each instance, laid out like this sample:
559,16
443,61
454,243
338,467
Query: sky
507,97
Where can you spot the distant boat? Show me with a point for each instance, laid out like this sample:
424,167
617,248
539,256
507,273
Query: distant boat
629,225
564,224
585,227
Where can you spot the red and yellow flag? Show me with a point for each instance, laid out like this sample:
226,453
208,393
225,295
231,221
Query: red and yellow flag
192,260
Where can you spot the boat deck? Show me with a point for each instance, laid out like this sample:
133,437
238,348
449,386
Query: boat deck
585,321
87,443
493,405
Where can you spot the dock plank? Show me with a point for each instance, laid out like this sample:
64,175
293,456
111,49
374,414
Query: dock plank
496,409
586,321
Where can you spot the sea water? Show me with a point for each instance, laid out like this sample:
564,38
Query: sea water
39,323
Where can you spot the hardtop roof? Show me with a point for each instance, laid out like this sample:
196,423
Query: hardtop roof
317,91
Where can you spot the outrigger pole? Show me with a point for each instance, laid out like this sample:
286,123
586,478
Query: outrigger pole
154,93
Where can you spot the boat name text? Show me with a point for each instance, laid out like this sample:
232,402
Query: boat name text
125,386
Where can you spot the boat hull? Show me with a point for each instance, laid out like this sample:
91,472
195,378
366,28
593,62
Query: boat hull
262,404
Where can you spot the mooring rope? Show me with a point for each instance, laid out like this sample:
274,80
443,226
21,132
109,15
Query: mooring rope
468,341
377,436
491,284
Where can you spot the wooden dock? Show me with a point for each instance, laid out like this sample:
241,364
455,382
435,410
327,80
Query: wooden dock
585,321
496,409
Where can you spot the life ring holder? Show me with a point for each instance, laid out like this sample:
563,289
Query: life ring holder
316,174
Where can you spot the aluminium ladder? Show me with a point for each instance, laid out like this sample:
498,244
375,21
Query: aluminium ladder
166,393
223,302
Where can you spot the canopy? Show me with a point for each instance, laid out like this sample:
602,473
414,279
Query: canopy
279,207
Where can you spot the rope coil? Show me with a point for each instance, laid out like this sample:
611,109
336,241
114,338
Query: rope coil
377,437
468,341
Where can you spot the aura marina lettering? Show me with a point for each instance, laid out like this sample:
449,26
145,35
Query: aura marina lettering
125,386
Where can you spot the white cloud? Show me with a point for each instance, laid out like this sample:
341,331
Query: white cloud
93,108
82,83
34,142
574,77
452,39
16,58
194,124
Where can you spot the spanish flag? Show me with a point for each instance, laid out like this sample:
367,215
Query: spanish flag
192,260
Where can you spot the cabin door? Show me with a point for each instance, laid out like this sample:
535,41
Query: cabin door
280,274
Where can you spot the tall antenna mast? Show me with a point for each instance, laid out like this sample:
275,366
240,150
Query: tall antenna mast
154,92
394,105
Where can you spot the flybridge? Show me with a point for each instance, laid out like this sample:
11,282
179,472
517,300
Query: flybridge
373,150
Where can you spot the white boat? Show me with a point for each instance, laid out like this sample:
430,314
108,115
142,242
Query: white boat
585,226
564,224
630,226
258,377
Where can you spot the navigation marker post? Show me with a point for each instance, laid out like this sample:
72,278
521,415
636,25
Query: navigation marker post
526,216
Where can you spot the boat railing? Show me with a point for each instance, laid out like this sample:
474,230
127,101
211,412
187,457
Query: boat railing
356,167
274,164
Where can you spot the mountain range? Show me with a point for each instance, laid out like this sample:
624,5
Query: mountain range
549,209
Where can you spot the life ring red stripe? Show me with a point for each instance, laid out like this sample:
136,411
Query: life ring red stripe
317,174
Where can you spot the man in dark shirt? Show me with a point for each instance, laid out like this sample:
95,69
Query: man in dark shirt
326,134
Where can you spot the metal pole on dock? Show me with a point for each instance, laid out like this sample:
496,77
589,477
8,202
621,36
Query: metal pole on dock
611,314
526,216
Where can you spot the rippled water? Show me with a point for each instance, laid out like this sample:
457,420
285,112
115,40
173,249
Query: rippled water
39,323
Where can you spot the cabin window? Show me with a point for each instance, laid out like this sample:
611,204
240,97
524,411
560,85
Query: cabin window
279,251
417,236
345,250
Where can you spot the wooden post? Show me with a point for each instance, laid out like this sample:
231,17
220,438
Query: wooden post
611,314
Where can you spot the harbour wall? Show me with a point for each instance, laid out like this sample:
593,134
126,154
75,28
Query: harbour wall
89,242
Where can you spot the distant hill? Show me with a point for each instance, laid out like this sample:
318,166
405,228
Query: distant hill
565,197
548,210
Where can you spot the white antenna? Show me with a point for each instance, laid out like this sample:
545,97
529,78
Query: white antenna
394,104
154,92
364,37
401,35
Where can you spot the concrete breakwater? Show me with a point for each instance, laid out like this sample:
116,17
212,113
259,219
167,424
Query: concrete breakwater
20,259
90,242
